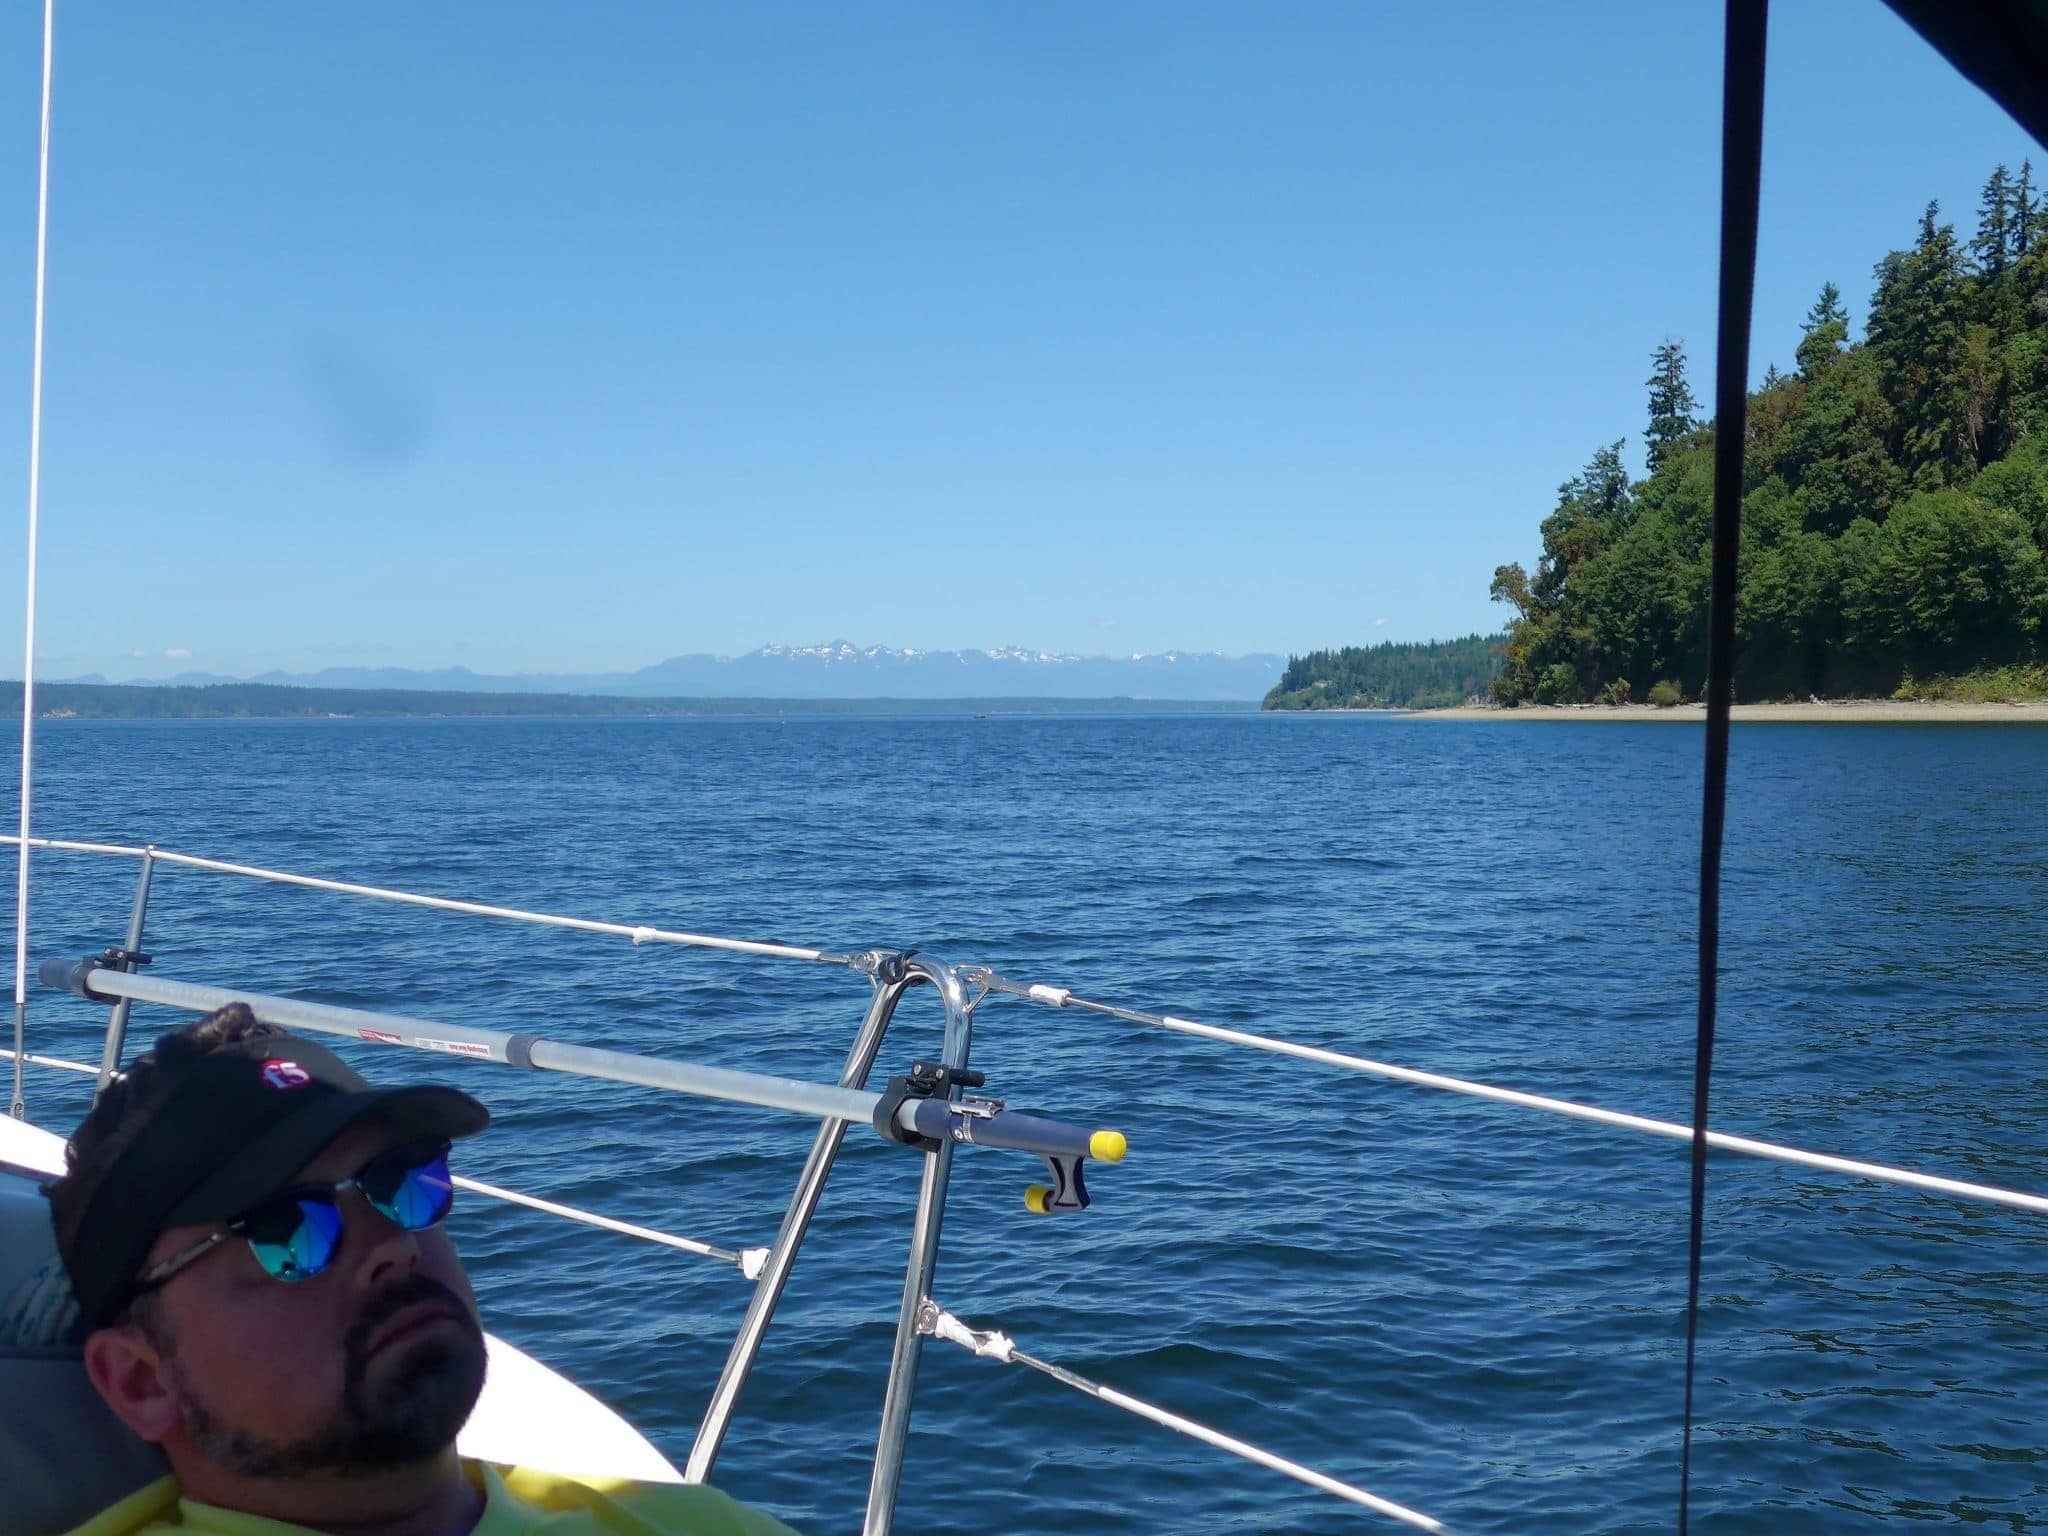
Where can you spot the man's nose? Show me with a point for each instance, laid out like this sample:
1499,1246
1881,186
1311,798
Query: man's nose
384,1249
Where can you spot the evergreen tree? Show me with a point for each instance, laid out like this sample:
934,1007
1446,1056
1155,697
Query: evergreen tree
1592,507
2024,222
1772,378
1994,242
1601,489
1916,331
1671,403
1827,331
1833,453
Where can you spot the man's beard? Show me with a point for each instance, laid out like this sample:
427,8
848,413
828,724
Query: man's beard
412,1415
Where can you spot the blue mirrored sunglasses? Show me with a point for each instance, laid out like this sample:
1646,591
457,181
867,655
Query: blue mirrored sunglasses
294,1233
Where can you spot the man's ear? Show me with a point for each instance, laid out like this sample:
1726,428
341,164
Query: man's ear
130,1373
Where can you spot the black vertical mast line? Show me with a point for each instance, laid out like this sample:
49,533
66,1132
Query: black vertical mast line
1742,132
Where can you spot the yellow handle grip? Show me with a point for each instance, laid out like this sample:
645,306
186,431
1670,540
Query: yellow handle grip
1107,1146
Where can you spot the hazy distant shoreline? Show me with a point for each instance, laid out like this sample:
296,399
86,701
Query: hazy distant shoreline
835,670
1842,712
262,701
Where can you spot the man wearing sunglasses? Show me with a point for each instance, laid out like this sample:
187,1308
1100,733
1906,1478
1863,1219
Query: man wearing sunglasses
252,1232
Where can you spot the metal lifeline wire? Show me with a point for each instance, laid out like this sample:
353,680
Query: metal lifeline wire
16,1105
936,1322
56,1062
748,1261
639,933
1062,997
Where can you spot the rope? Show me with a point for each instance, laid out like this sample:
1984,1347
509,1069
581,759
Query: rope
936,1322
1742,133
1670,1130
17,1106
639,933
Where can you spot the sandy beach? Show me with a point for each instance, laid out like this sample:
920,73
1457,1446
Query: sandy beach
1841,712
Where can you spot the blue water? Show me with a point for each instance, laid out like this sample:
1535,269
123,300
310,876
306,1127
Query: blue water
1472,1309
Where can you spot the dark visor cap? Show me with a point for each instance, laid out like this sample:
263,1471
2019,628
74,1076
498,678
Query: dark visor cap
240,1123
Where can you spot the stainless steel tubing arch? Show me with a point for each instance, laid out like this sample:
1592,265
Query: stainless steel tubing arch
796,1222
887,1475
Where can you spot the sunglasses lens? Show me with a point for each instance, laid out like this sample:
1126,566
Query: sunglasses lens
294,1236
295,1239
414,1196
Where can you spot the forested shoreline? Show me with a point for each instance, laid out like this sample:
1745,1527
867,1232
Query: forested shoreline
1895,510
1395,674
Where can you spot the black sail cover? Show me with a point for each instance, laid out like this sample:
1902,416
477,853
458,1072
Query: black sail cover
1999,45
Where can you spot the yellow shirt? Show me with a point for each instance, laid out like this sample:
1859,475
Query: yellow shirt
518,1501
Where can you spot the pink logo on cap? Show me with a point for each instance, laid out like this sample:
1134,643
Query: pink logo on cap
284,1075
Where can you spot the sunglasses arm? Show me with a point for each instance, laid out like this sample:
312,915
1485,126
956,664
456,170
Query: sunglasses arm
157,1274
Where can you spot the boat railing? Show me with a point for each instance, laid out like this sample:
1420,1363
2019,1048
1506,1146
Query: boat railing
925,1110
929,1116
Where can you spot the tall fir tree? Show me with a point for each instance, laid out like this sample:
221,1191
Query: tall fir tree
1993,246
1917,332
1592,507
2024,225
1827,332
1671,403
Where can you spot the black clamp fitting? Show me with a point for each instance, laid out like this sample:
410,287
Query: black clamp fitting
889,969
925,1080
75,976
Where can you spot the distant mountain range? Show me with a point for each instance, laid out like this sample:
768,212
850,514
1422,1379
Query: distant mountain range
838,670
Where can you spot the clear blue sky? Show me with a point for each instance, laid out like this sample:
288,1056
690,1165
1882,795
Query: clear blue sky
559,337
